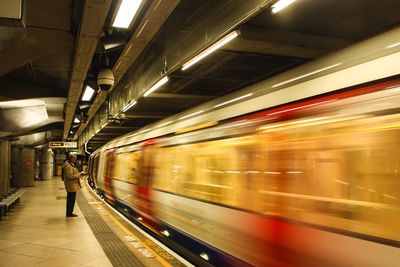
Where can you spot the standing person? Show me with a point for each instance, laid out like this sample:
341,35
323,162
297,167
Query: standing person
72,183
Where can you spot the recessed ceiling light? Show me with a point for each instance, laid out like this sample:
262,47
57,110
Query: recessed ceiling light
88,94
126,12
156,85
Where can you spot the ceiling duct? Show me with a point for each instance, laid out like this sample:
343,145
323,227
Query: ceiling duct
151,23
90,32
12,23
11,13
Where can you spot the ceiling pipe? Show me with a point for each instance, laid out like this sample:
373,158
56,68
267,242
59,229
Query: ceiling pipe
90,32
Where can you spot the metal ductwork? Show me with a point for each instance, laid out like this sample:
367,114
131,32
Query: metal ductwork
151,23
94,15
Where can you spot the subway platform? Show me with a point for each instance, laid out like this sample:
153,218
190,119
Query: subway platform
37,233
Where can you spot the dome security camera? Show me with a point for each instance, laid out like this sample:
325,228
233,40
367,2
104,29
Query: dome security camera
105,79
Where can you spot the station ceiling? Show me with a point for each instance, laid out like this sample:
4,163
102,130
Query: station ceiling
60,47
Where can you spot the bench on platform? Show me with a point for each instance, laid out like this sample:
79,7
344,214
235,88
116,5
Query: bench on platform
10,201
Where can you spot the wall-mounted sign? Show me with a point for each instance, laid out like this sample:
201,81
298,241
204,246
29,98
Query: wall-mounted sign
63,144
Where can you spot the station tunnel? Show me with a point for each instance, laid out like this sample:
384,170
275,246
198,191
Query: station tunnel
199,133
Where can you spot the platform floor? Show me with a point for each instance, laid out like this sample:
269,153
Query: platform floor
37,233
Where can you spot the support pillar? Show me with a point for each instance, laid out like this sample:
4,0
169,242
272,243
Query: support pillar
46,164
22,162
5,161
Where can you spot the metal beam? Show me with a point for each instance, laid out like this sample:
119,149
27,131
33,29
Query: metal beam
204,73
122,127
284,43
146,115
151,23
94,15
179,96
107,134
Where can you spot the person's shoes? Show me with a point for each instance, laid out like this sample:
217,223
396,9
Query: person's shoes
71,215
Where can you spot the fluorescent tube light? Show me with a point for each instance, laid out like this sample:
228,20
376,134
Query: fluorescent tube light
233,100
157,85
226,39
104,125
76,120
281,4
88,94
130,104
305,75
126,12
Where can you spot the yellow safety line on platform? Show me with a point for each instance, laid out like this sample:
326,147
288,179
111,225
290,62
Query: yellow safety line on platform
127,231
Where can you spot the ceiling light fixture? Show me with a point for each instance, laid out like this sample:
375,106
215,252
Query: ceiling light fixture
205,256
104,125
130,104
88,94
156,85
76,120
233,100
126,12
281,4
226,39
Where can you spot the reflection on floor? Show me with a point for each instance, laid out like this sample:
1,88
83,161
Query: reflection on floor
37,233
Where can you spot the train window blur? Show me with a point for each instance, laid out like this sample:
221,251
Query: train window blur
95,164
317,171
126,167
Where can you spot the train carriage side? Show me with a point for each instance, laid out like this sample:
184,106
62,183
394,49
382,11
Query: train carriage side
305,176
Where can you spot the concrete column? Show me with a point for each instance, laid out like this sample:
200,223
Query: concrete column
15,166
46,164
28,168
59,160
4,167
22,162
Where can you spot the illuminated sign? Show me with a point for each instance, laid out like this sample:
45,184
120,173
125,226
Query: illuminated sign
63,144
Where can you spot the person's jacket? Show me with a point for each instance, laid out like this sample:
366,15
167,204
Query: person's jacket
71,177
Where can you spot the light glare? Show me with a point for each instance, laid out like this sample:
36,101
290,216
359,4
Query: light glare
278,6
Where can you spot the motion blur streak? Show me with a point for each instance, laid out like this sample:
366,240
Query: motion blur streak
312,182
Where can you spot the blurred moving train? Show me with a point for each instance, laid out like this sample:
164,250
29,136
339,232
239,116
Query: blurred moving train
299,170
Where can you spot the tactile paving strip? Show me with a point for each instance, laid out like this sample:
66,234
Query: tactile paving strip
116,251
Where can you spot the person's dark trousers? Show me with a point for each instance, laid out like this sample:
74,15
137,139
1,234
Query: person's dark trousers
70,202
